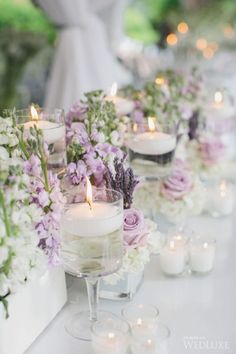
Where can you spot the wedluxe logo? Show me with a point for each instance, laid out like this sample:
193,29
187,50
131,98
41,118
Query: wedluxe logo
205,344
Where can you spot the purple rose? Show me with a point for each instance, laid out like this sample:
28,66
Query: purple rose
179,183
135,230
212,151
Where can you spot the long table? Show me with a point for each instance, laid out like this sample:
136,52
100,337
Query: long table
200,311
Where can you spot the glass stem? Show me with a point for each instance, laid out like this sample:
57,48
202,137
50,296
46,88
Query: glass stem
93,293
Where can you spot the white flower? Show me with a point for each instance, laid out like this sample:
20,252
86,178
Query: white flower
3,153
115,138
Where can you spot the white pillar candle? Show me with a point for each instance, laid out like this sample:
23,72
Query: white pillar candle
122,105
52,132
202,256
172,258
114,342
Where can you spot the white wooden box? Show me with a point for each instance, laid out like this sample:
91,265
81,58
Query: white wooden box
31,310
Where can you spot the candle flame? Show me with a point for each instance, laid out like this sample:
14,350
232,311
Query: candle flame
149,342
205,245
135,127
218,97
114,88
223,188
34,113
139,322
178,237
151,124
89,193
172,245
111,335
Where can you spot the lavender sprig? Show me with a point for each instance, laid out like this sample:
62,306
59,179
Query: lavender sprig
123,181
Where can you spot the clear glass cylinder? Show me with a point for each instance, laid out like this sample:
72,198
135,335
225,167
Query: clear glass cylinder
151,148
52,124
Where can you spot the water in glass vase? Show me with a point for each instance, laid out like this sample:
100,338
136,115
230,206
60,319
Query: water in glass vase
92,256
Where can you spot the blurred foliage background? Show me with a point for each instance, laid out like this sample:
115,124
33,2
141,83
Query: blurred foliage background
27,38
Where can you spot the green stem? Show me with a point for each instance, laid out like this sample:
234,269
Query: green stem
5,216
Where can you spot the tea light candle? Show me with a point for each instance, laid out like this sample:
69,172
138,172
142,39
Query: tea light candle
122,105
202,255
110,335
156,342
112,342
222,199
142,318
52,131
172,258
152,142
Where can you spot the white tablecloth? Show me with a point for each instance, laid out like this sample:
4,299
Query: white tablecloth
199,307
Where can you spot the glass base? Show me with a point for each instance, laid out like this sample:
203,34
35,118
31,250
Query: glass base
79,325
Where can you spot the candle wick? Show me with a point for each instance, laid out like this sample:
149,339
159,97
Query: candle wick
90,204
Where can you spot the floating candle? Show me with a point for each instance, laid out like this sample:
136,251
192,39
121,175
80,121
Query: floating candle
122,105
52,131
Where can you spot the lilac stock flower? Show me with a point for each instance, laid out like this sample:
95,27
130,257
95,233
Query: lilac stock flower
138,116
212,151
179,183
135,231
32,166
77,172
77,112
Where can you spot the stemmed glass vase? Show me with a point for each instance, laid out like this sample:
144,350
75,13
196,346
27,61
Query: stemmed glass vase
92,233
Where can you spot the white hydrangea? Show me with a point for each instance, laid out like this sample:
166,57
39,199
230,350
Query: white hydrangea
151,200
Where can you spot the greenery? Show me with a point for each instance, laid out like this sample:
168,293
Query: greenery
23,16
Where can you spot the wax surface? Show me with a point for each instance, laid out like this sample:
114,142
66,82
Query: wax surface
52,132
123,106
101,220
152,143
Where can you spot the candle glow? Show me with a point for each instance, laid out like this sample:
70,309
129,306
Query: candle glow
34,113
201,44
160,80
205,245
172,245
183,27
172,39
218,97
151,124
114,88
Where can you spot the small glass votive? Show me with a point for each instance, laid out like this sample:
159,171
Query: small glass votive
110,335
151,343
180,237
173,257
142,318
202,254
52,124
221,201
151,148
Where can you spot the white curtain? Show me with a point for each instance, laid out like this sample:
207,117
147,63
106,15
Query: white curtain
83,60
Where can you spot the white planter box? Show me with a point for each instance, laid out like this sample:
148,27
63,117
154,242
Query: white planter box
125,289
31,310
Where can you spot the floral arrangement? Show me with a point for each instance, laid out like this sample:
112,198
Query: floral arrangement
141,237
94,136
30,204
93,152
172,97
178,196
206,155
